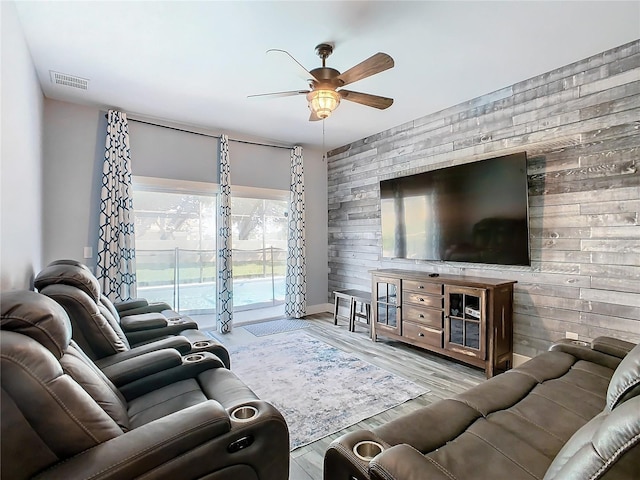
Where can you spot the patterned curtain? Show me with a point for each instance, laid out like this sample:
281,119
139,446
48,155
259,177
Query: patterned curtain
116,267
224,285
296,279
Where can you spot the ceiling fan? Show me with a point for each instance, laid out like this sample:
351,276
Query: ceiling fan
326,83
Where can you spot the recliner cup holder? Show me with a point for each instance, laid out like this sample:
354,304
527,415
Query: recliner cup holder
244,413
193,357
202,344
367,449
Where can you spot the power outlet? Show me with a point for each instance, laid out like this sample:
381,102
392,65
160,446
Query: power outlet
88,252
572,336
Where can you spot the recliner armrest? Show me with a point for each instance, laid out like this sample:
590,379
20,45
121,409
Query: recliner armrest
612,346
143,321
340,460
149,447
180,343
135,368
130,304
191,366
140,305
583,351
404,462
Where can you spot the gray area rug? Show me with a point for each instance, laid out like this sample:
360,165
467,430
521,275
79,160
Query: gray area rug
318,389
276,326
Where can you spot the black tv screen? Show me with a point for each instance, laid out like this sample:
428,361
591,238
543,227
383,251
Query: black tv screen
476,212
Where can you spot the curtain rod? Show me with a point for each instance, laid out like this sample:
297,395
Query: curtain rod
206,134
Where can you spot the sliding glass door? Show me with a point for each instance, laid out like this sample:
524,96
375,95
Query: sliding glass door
176,245
259,251
176,248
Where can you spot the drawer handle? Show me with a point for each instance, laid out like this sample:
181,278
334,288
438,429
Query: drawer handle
421,334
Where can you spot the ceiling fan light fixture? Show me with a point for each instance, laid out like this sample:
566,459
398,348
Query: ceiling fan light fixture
322,102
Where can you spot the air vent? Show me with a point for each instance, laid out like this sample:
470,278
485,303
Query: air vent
67,80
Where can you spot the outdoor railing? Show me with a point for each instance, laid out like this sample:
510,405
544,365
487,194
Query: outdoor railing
186,279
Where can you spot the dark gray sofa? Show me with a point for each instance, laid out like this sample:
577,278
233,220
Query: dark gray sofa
570,413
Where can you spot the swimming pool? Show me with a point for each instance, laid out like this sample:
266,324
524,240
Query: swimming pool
202,296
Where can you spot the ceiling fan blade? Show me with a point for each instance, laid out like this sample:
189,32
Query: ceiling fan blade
375,64
301,70
366,99
281,94
313,117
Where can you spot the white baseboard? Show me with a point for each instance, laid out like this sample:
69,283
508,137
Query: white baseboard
519,359
320,308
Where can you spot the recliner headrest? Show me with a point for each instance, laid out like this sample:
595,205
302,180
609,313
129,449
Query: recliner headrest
73,275
67,261
36,316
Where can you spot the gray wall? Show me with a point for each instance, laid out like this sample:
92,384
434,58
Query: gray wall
21,158
74,137
579,127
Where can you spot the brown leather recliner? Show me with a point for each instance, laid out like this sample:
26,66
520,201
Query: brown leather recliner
101,332
570,413
63,418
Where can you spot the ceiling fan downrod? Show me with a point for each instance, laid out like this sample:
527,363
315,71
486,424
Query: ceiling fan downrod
323,50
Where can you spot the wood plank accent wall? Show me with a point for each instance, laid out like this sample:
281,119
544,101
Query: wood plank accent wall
580,127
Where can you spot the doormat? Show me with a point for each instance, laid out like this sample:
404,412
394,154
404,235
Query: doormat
276,326
318,388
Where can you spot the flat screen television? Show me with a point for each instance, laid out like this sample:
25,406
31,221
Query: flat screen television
476,212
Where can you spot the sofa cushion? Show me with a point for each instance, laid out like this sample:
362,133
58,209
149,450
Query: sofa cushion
514,424
486,450
625,382
608,444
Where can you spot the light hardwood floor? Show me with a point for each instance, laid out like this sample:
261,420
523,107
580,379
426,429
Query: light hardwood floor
444,378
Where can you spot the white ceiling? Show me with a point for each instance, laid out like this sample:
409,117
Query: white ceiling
194,63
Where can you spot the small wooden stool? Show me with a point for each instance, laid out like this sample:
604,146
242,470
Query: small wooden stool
354,297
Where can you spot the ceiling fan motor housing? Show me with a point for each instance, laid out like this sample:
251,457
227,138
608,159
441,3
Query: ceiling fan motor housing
325,77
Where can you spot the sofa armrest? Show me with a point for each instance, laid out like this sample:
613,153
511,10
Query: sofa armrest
135,368
341,461
140,451
612,346
403,462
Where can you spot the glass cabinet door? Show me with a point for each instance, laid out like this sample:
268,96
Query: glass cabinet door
464,325
386,297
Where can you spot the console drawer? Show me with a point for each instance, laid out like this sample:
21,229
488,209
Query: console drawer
426,287
421,315
423,299
422,334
